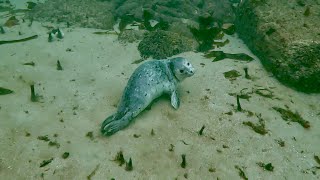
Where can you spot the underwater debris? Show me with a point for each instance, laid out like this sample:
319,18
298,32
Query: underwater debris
238,104
119,158
147,17
136,135
258,127
184,142
59,67
29,63
183,163
288,115
46,162
65,155
93,172
54,143
231,75
280,142
4,91
241,173
19,40
90,135
152,132
171,147
34,97
2,31
44,138
201,130
267,166
185,175
246,73
12,21
129,166
220,55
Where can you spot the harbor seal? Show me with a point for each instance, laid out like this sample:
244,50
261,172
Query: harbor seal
148,82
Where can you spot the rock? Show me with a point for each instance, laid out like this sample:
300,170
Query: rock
163,44
285,35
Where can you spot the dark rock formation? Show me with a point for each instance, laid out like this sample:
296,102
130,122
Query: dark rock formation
285,35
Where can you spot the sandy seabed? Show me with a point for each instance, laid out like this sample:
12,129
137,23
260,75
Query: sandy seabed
95,71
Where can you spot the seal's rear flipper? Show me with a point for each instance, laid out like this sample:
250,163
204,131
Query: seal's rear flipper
109,127
105,122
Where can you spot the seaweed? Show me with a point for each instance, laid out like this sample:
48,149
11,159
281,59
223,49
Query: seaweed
34,97
19,40
125,20
129,166
44,138
90,135
238,104
231,75
307,12
12,21
93,172
258,127
220,55
201,130
65,155
317,159
171,147
241,95
46,162
267,166
119,158
221,44
137,61
212,169
4,91
54,143
241,173
2,31
288,115
267,93
29,63
31,5
59,67
152,132
247,76
205,33
280,142
183,163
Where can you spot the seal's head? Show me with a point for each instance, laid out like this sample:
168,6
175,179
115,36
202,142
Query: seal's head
181,68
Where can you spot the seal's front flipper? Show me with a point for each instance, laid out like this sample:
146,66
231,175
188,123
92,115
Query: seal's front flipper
175,102
116,125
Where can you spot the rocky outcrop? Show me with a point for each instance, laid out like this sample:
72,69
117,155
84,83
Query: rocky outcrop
285,35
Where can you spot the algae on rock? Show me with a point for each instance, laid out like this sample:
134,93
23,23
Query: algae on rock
162,44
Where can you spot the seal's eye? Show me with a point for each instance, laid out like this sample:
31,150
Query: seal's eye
181,71
188,64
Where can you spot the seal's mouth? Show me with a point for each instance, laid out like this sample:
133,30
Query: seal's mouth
191,72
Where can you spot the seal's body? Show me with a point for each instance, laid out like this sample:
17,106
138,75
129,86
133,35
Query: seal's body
149,81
